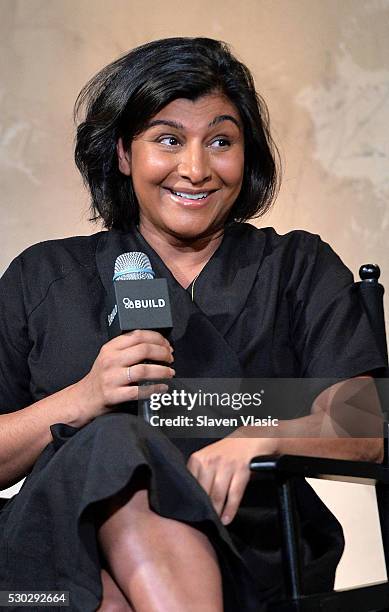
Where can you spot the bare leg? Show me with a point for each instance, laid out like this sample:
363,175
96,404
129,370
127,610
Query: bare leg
161,565
113,599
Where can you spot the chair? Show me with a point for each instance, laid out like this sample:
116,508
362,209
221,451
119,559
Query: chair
284,470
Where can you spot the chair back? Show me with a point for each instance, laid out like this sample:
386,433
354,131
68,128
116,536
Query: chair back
372,293
382,492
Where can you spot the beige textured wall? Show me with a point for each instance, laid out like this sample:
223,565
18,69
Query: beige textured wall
322,66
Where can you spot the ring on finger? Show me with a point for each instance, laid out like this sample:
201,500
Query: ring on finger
129,374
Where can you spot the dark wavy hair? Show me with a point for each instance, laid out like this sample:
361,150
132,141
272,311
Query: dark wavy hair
120,100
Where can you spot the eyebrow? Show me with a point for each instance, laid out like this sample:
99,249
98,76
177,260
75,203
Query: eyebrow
179,126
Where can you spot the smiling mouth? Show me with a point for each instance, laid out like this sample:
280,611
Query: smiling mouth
191,196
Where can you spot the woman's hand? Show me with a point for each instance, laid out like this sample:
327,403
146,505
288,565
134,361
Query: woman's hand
222,469
26,432
120,365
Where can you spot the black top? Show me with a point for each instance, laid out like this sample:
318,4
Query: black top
265,306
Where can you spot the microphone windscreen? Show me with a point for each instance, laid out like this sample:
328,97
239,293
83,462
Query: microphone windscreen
133,266
139,304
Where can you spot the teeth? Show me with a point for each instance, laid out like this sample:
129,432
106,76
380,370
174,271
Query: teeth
191,196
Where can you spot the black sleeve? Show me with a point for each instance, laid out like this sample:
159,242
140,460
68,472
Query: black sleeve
14,342
331,331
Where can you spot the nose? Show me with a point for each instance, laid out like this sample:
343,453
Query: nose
194,163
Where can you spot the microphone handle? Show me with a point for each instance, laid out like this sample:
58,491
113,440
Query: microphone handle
145,405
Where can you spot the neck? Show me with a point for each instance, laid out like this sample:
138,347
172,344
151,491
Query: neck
184,258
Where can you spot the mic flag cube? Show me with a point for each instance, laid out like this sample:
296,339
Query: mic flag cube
143,304
138,301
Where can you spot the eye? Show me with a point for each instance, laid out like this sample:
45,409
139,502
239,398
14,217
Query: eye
170,141
220,143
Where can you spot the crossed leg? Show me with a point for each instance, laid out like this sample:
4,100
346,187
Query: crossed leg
158,564
113,599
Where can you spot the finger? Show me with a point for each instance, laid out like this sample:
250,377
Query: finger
235,493
205,477
139,336
145,391
130,393
220,488
193,465
144,352
144,371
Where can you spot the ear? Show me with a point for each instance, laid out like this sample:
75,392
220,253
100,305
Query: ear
124,158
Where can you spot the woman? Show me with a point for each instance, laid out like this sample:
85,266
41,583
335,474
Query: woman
176,152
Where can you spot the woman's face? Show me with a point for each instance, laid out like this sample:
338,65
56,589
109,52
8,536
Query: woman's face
187,167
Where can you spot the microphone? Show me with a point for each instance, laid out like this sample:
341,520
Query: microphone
139,303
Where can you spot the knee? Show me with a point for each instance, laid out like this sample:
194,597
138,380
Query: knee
113,606
113,599
115,419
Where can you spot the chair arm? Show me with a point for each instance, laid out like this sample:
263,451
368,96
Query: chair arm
284,467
